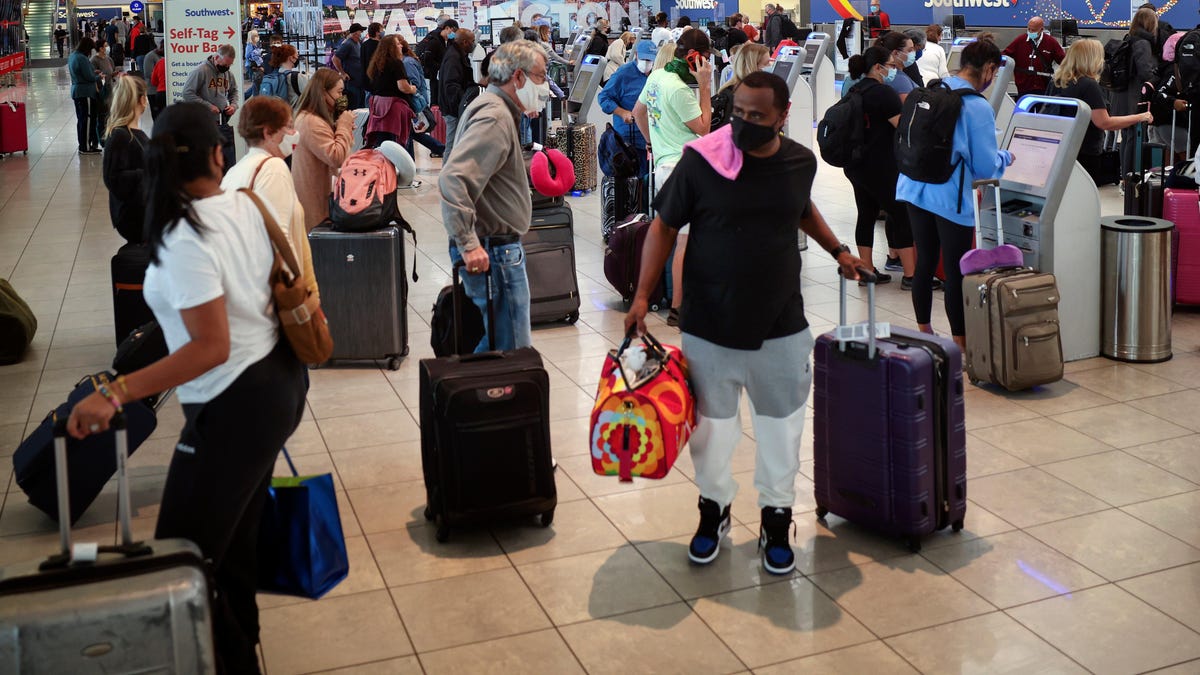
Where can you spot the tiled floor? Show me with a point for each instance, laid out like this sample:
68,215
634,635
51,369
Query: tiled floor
1081,551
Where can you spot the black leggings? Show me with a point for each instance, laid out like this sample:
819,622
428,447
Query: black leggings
217,486
872,192
85,122
937,237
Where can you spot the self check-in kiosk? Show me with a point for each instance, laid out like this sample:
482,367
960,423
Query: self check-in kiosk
954,58
997,92
788,65
1051,211
581,101
817,70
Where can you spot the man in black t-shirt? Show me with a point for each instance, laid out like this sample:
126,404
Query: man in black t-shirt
743,317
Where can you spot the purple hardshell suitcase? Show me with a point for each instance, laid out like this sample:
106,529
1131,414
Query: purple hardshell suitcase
890,449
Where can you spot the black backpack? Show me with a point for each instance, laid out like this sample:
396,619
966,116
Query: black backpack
1187,57
1118,64
925,136
842,133
722,109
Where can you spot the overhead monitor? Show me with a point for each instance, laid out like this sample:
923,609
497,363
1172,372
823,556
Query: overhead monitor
874,22
957,22
499,24
1035,151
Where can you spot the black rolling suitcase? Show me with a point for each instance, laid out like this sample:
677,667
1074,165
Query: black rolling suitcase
130,310
1144,186
550,264
137,607
619,198
485,438
364,292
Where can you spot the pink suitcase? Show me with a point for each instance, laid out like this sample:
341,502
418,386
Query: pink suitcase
13,134
1182,207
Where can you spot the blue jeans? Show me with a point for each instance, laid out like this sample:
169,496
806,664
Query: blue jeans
510,291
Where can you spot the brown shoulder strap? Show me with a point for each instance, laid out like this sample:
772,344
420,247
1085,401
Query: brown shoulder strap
277,239
254,178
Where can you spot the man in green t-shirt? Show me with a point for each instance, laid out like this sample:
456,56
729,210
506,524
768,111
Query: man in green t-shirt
669,114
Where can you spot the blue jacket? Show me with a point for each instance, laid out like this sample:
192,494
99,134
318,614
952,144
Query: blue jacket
975,146
416,75
84,80
622,90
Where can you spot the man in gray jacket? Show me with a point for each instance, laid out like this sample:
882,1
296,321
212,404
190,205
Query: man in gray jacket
485,192
212,84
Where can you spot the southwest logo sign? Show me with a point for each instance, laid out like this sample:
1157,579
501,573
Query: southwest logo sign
957,4
845,9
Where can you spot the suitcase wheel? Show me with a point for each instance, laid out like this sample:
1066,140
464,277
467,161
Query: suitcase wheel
822,512
547,518
393,362
572,318
654,306
957,525
428,513
914,544
443,529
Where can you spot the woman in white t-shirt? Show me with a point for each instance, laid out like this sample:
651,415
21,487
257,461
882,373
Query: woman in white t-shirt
932,60
240,384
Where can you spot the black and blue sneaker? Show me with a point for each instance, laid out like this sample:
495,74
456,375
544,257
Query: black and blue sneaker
714,525
777,555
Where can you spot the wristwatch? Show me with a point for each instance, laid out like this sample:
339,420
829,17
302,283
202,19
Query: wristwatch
838,250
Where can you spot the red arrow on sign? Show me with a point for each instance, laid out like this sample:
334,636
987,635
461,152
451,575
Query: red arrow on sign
229,32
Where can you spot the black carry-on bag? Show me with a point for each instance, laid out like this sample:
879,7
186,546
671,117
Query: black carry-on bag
137,607
485,437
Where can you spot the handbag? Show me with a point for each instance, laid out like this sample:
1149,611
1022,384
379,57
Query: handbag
640,425
304,324
301,547
617,158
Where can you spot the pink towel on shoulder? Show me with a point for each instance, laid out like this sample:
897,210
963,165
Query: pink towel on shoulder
718,149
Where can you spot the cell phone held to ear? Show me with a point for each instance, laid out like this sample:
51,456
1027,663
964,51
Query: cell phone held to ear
693,59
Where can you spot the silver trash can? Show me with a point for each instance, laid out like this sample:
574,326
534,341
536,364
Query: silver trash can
1135,269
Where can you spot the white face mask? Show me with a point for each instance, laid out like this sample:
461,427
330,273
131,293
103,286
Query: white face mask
532,96
645,67
288,145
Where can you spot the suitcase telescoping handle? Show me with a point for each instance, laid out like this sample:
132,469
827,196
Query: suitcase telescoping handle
491,311
128,547
995,184
843,327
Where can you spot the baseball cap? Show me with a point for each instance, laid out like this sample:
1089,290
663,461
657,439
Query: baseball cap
356,28
646,51
543,21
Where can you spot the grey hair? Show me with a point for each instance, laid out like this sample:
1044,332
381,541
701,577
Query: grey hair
227,51
514,56
511,34
918,37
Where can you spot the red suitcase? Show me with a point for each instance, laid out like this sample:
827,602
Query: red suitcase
1182,207
439,125
14,136
889,446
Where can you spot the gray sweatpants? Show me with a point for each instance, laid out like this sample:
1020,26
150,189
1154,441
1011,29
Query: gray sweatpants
776,377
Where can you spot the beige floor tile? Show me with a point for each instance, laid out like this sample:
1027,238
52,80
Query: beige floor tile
596,585
540,652
1118,478
992,643
360,431
1123,382
787,620
1175,591
571,436
1012,568
407,665
579,469
1107,630
389,507
1115,544
413,555
579,527
669,639
306,440
1059,397
1178,408
332,633
379,464
1183,368
889,597
469,609
872,657
1186,668
658,513
1180,456
1031,496
1120,425
985,459
985,408
747,511
1175,515
1038,441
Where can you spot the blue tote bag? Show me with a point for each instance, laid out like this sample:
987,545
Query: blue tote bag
301,548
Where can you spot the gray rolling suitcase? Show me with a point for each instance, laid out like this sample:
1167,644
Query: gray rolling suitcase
550,263
139,607
364,292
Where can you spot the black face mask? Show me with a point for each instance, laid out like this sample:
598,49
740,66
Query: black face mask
222,69
748,136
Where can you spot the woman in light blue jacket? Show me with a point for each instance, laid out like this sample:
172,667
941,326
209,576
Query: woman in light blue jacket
85,90
420,103
943,215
